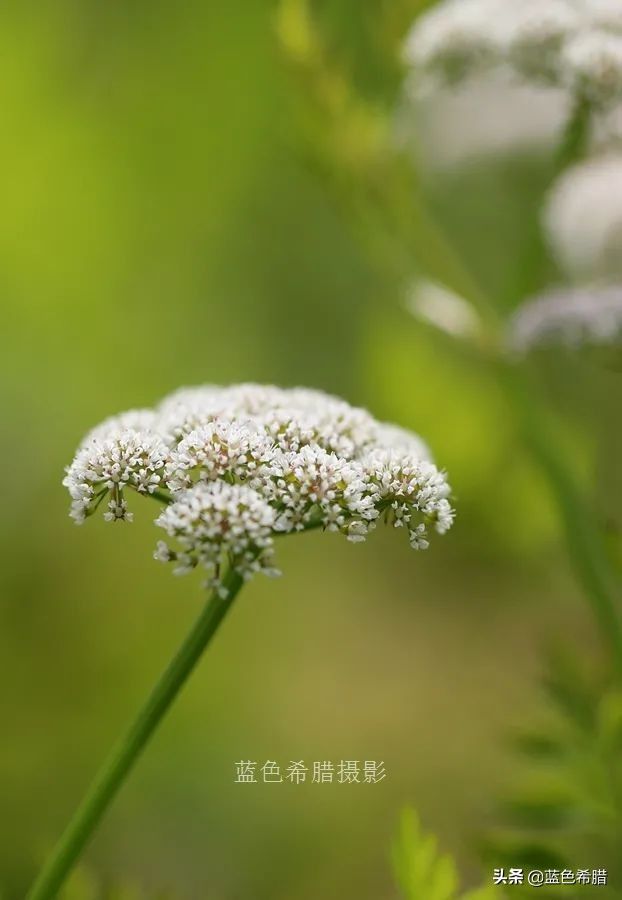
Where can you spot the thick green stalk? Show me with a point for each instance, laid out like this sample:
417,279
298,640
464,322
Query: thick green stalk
123,757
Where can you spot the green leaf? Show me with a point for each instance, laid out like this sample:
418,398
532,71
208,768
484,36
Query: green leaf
422,873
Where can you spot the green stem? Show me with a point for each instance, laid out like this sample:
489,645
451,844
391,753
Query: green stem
160,496
585,546
123,757
534,255
574,139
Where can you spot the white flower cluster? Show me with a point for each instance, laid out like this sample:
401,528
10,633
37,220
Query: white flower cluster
575,44
583,218
590,316
110,461
215,522
236,466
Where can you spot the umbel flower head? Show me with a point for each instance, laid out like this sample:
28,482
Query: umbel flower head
237,466
574,44
572,317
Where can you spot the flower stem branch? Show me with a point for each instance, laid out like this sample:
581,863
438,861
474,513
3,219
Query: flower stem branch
123,757
160,496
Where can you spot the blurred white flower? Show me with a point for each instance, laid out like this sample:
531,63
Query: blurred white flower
133,419
453,39
574,44
438,306
187,409
592,66
237,465
605,14
568,316
532,33
489,114
392,437
583,218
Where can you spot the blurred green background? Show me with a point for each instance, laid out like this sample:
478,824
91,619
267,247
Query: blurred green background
159,226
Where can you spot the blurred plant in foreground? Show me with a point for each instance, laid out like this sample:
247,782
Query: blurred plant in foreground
577,47
389,208
566,810
422,872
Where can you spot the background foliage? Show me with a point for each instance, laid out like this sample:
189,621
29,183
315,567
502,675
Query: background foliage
161,225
